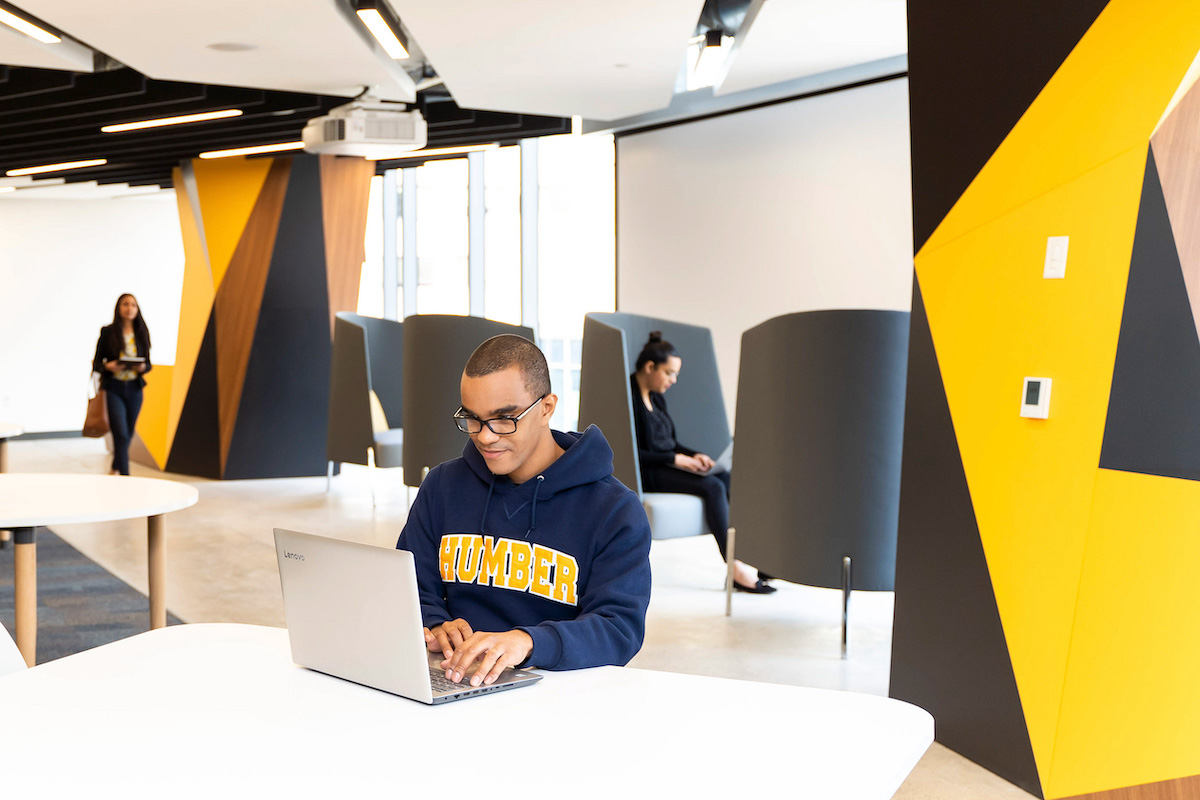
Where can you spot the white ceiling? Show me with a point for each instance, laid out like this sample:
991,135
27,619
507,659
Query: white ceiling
19,50
796,38
311,46
600,60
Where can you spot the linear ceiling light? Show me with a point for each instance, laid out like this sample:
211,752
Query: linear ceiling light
181,120
382,23
7,189
28,28
445,151
251,151
95,162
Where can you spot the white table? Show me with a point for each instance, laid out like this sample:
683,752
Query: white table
29,501
220,710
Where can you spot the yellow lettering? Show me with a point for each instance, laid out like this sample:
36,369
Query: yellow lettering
565,575
468,558
450,544
518,568
492,558
543,560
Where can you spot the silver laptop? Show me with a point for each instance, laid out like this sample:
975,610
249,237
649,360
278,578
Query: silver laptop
722,463
353,612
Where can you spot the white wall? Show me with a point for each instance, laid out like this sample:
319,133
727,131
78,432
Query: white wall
799,206
63,263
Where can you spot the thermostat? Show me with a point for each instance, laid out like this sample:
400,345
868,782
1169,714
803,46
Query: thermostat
1035,398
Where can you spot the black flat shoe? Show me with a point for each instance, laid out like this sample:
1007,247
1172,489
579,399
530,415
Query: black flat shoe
760,587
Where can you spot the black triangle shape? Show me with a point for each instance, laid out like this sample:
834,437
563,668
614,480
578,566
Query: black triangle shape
949,654
1153,423
196,448
973,70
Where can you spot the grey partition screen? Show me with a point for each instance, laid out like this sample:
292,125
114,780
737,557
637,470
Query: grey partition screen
696,404
436,348
367,356
350,434
820,426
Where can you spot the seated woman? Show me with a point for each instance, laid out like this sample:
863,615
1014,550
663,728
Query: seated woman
668,466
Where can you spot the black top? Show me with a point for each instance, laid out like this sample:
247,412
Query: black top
655,430
110,346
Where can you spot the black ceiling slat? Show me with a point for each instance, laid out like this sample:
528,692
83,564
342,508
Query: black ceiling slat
30,85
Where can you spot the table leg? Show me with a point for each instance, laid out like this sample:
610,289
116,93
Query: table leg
25,589
158,572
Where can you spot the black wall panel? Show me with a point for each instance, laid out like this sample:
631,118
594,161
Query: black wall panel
974,68
281,423
1153,421
949,654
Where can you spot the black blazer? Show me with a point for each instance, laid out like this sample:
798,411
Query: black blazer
109,347
648,455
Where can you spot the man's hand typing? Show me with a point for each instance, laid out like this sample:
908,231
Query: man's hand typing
447,637
494,651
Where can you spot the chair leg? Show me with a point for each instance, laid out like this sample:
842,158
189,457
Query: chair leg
730,537
845,600
328,476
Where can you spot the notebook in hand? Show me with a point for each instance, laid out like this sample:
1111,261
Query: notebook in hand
353,612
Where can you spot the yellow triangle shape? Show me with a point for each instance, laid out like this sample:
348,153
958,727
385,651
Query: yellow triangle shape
228,189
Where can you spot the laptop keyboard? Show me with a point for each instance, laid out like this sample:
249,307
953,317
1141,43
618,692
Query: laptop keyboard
437,677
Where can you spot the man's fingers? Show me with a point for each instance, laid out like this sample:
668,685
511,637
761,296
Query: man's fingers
443,642
465,656
493,664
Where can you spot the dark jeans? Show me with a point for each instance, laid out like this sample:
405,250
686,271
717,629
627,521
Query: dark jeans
124,403
712,489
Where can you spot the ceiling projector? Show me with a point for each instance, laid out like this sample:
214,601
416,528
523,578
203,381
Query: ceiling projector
371,129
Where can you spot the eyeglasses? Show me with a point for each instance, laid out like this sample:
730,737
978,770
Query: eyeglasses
498,425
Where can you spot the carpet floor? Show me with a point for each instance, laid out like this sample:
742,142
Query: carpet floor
80,604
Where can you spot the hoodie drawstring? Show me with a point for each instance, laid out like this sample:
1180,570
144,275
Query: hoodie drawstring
533,508
486,503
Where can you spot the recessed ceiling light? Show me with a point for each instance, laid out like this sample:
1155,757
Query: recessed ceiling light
383,25
95,162
28,28
251,151
445,151
621,66
231,47
180,120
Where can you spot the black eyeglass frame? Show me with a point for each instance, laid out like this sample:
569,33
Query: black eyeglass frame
464,420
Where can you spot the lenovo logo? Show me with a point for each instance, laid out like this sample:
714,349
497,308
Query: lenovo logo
293,556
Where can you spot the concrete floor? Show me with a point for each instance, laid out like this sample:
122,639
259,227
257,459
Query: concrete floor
221,568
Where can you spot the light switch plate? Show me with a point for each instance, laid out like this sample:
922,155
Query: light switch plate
1035,398
1056,257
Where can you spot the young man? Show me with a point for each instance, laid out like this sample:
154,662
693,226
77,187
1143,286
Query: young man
528,551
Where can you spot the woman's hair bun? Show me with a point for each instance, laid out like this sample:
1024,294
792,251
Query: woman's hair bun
656,336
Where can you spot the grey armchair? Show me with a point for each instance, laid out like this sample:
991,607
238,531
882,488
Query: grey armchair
816,493
611,343
365,394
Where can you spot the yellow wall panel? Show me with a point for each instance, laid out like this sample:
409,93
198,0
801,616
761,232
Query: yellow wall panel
228,189
1106,98
1131,704
156,402
194,310
995,320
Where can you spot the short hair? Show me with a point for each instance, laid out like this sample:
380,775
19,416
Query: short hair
509,350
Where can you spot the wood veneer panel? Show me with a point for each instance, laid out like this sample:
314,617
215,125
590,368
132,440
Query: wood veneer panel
239,298
1177,153
345,190
1178,789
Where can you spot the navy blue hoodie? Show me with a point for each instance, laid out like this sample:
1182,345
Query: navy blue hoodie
564,557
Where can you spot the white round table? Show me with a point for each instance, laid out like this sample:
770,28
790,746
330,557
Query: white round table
7,431
30,501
